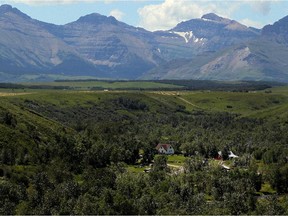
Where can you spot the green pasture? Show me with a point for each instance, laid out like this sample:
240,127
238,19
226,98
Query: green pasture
254,104
177,160
251,104
64,98
245,104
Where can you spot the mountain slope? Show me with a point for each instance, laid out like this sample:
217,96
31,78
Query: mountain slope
121,50
261,59
211,33
27,47
278,32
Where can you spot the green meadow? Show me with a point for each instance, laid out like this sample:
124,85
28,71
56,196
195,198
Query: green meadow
88,85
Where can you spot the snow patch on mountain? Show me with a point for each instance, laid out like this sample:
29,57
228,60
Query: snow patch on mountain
207,20
188,36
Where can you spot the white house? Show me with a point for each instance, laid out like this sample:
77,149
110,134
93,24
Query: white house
165,149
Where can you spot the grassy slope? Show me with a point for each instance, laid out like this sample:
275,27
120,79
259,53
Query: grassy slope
246,104
255,104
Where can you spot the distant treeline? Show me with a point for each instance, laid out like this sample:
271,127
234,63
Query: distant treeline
194,84
97,80
238,86
11,86
21,86
221,85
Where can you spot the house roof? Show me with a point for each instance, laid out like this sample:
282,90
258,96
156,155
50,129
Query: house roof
165,146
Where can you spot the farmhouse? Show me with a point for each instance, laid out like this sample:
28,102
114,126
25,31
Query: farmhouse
165,149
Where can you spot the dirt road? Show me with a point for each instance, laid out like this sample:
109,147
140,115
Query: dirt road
188,102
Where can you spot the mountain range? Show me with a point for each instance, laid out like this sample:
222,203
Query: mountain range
262,58
211,47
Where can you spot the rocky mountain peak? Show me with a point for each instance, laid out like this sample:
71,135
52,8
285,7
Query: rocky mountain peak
96,18
4,9
213,26
208,21
213,17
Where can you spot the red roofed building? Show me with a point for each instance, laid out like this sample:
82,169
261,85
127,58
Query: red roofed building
165,149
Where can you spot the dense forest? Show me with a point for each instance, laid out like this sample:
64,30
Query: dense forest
71,153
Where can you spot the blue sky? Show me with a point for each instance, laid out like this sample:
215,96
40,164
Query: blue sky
154,15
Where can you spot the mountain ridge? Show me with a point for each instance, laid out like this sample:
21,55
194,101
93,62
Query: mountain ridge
8,8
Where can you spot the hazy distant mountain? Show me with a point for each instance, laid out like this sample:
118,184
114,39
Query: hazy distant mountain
261,59
121,50
94,45
25,46
208,48
211,33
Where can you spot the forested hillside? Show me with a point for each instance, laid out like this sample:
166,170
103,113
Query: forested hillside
68,152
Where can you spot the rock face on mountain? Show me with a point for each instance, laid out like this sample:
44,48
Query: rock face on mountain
97,46
261,59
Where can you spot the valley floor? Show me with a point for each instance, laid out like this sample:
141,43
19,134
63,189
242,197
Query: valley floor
85,152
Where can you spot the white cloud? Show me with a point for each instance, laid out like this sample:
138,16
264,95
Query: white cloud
262,7
117,14
46,2
165,15
169,13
